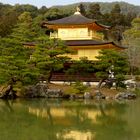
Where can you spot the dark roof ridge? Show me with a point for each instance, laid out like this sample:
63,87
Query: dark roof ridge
73,19
91,42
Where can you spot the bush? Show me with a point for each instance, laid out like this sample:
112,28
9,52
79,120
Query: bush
80,88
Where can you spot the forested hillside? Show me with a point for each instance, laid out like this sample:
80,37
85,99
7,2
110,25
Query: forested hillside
105,7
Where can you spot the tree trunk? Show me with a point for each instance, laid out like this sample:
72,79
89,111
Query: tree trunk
100,83
50,75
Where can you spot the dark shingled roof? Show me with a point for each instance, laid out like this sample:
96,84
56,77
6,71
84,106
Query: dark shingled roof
81,43
89,42
76,19
73,19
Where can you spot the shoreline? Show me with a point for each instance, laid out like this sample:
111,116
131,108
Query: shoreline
67,92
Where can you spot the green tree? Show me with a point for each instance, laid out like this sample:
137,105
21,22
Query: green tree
48,56
7,22
14,66
132,41
111,60
117,21
54,13
82,9
26,8
94,11
24,29
43,10
82,68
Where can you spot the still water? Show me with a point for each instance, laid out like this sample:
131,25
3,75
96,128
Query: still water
42,119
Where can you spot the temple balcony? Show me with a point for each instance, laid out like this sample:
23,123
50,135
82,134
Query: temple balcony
96,36
77,35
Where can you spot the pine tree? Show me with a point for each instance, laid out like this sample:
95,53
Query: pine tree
24,29
114,61
82,9
49,56
94,12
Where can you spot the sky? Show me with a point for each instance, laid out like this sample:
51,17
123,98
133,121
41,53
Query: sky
49,3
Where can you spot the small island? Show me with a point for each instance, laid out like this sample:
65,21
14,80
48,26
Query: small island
88,57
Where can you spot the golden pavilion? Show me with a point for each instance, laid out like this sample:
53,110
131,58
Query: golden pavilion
81,34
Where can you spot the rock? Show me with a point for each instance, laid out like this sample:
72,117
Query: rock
87,95
66,96
79,96
88,84
54,93
72,96
125,95
99,95
41,90
7,92
38,90
131,83
108,98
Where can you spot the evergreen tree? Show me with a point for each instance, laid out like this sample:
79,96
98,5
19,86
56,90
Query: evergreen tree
13,62
48,56
43,10
7,22
111,60
82,9
117,21
54,13
24,29
116,17
94,12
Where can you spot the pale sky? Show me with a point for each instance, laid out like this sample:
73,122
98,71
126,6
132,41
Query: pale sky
49,3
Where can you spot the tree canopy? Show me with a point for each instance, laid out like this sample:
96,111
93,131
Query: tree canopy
112,60
132,40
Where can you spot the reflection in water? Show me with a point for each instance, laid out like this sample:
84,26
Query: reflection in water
77,135
62,120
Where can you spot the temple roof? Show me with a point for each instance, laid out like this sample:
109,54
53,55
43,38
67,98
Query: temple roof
73,19
90,43
76,19
82,43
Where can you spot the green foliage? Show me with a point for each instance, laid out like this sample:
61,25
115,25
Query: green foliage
83,67
48,56
23,30
82,9
80,88
137,91
54,13
132,41
94,12
112,59
9,14
26,8
7,22
13,61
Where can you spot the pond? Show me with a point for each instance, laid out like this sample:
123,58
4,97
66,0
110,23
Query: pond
55,119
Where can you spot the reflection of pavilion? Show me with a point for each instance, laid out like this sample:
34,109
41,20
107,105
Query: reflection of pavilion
77,135
66,120
79,123
60,115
